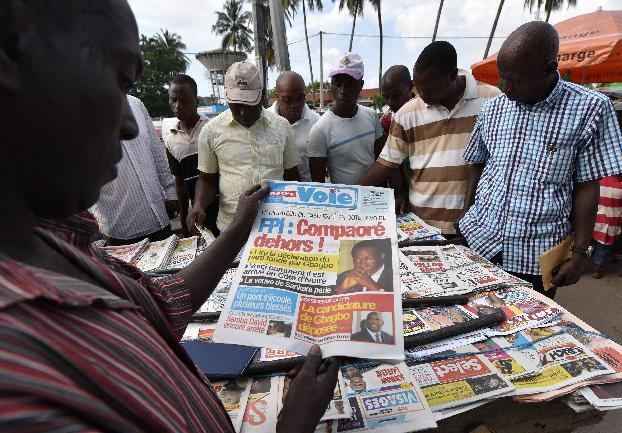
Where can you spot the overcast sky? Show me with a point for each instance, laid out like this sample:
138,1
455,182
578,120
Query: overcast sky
193,20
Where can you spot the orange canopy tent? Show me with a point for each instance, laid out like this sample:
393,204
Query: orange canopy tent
590,50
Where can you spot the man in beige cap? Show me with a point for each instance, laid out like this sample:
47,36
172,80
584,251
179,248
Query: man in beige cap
240,147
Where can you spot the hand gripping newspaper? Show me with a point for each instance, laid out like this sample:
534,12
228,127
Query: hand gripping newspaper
320,267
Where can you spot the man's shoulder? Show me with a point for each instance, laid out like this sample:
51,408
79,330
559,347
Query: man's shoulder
311,115
584,93
414,104
487,91
277,120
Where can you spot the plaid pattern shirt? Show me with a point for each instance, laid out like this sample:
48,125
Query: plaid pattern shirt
533,156
81,357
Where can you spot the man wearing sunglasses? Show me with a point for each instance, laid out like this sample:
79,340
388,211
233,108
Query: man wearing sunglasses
290,104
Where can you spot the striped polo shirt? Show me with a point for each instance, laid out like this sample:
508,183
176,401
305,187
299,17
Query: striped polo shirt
433,138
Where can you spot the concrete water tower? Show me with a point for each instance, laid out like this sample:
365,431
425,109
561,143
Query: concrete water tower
217,62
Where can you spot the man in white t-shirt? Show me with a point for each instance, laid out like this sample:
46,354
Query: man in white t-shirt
290,104
348,137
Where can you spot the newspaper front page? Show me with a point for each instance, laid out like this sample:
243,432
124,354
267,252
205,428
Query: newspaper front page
384,398
320,267
459,380
234,396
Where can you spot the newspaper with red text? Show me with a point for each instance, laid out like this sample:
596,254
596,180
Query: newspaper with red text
320,267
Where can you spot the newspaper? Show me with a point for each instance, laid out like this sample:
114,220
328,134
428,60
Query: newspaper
384,398
565,362
182,254
261,410
442,271
607,396
412,228
199,331
459,380
338,407
216,302
267,354
523,311
234,395
320,267
608,350
155,254
126,253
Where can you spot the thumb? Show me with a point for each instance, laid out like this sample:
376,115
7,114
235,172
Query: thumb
313,361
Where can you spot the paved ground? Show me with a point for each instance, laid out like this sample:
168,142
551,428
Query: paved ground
599,303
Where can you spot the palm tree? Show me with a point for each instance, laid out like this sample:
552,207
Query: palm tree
312,4
549,5
438,18
290,7
233,23
377,5
494,27
355,7
173,44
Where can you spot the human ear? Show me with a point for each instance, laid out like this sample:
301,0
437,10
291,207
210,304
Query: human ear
550,67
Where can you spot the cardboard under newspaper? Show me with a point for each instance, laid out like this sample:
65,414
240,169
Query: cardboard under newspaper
320,267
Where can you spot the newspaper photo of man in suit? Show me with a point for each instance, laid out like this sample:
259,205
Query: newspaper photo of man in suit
372,270
372,331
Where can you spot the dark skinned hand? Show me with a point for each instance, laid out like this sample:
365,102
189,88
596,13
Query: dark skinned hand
401,203
196,217
172,208
248,204
569,272
312,388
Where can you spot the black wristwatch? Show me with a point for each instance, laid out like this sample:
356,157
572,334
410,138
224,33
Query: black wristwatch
584,251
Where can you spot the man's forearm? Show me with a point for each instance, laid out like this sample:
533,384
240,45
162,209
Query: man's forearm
204,273
584,207
317,166
205,192
376,175
475,173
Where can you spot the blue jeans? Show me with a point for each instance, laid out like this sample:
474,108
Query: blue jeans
599,256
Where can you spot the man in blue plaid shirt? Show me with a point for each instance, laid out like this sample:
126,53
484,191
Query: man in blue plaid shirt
538,152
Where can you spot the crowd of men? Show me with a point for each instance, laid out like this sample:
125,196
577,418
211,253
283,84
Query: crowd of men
90,343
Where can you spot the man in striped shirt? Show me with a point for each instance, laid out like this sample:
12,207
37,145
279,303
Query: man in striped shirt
432,131
88,343
538,152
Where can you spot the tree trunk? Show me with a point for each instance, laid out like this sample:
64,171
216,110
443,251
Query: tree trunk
353,26
494,27
381,38
304,17
438,18
548,14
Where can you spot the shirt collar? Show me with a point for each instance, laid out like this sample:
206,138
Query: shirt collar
376,276
470,91
549,101
177,128
263,117
303,116
79,230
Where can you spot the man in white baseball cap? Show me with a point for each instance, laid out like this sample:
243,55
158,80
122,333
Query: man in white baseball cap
240,147
348,137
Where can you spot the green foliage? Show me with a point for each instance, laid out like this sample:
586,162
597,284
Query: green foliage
234,25
164,59
317,86
377,102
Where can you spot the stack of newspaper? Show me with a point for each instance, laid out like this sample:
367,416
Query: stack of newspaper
412,228
170,254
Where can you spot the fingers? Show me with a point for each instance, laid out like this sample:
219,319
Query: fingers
294,371
328,365
252,190
313,361
257,192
